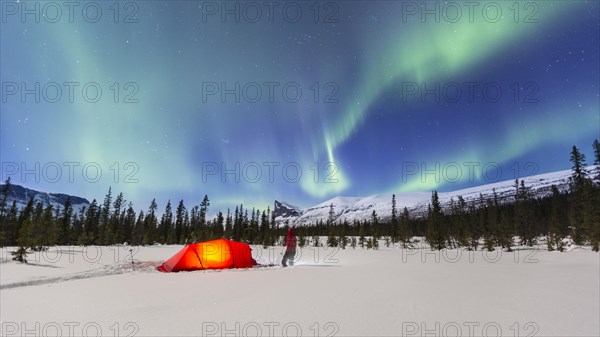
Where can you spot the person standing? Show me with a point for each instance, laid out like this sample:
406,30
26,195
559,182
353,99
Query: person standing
290,248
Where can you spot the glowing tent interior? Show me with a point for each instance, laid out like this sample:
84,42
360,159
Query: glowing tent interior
215,254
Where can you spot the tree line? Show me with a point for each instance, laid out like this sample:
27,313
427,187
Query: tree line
486,223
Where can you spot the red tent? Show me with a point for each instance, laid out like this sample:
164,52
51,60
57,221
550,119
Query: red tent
216,254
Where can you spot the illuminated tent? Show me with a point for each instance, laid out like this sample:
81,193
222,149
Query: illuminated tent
215,254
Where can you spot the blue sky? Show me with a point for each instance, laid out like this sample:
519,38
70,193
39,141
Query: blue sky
357,101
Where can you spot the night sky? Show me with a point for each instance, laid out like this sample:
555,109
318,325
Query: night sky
362,68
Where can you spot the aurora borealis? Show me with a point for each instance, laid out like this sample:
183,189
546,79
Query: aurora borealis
363,68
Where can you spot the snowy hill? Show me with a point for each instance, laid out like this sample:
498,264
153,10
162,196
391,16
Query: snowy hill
361,208
22,195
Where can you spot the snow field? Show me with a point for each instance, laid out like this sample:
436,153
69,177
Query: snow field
89,291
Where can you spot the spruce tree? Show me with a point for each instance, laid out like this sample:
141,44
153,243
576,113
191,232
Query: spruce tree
24,238
104,218
394,222
252,229
90,225
558,221
435,231
460,222
4,192
245,227
375,224
50,230
187,229
115,232
202,218
38,232
195,224
219,225
505,232
404,233
166,224
343,239
484,218
4,224
78,226
361,234
236,224
331,215
138,230
65,223
473,226
593,207
579,174
264,229
331,235
524,216
577,209
150,224
124,233
492,222
332,240
179,222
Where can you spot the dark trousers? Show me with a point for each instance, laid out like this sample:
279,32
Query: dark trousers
288,257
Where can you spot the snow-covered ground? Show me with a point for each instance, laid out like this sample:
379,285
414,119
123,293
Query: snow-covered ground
89,291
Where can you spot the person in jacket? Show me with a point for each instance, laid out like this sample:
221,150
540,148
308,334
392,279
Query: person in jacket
290,248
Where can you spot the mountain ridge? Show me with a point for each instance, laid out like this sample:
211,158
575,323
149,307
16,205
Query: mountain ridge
21,196
361,208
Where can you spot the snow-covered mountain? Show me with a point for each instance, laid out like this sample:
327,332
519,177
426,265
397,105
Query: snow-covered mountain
22,195
361,208
286,210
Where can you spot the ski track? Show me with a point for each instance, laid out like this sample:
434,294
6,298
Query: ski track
106,270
